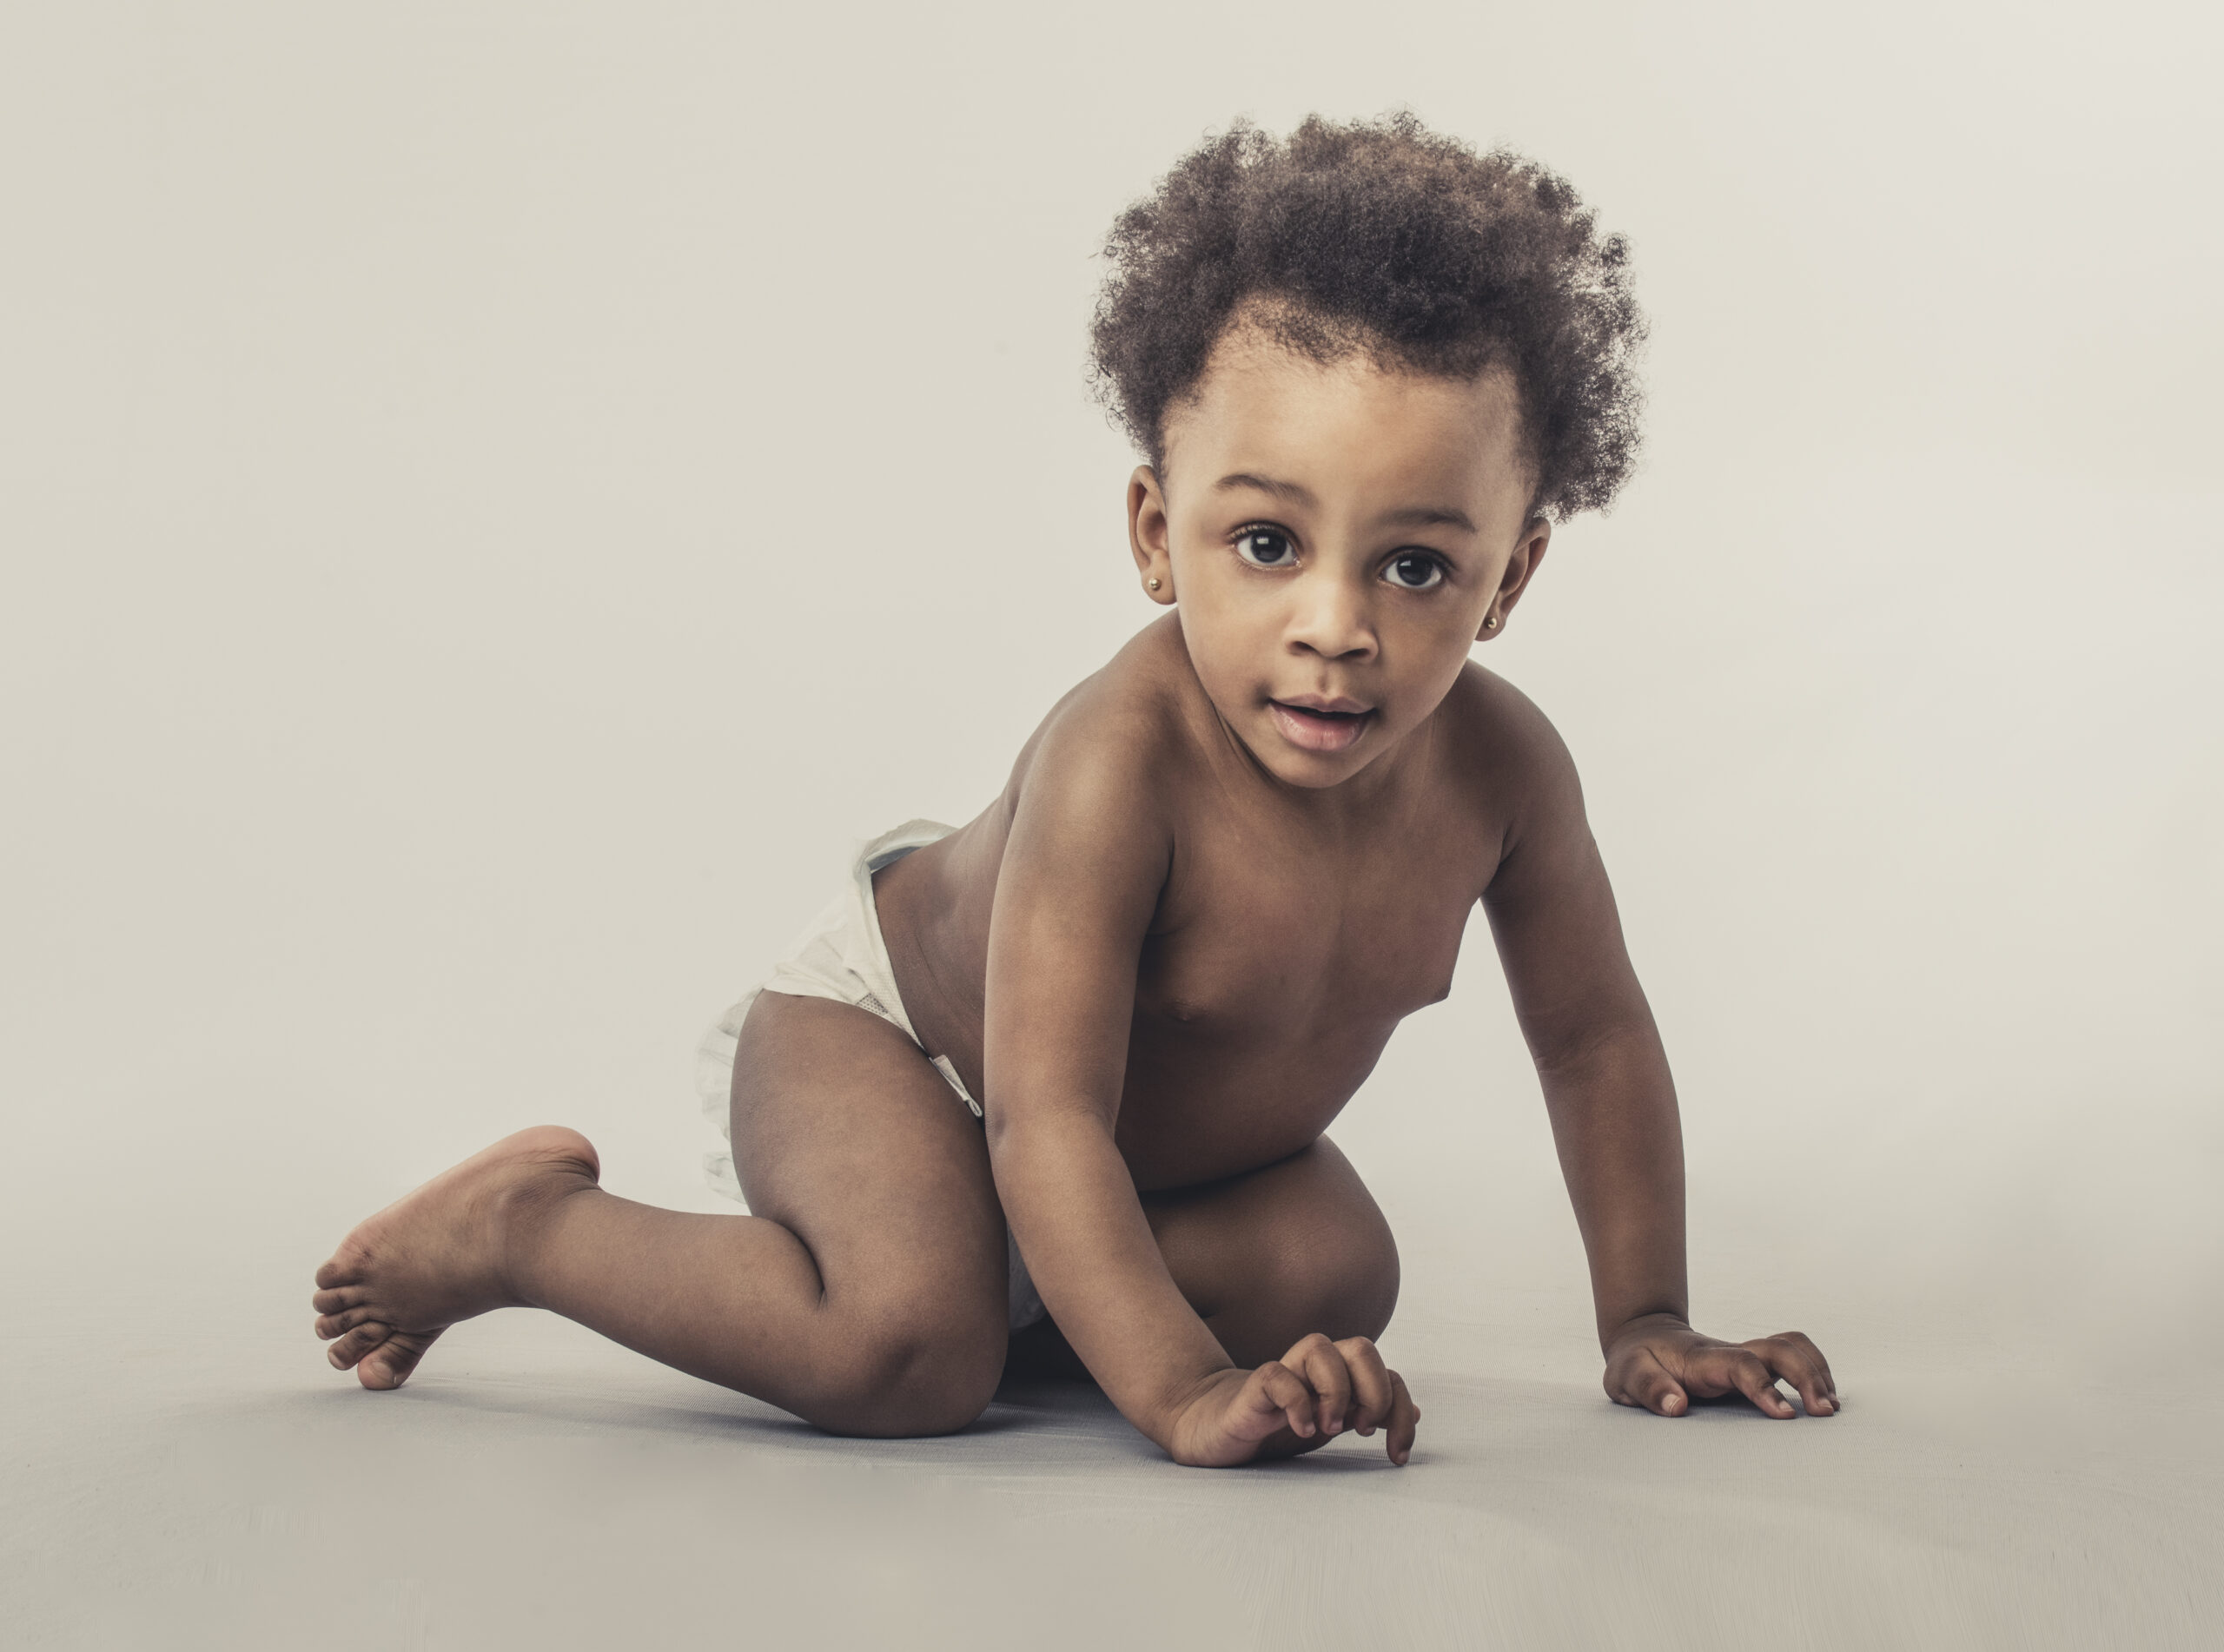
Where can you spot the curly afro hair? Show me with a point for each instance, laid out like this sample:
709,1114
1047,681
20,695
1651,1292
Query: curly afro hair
1381,238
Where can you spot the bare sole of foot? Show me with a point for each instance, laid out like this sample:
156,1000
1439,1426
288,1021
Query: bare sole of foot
441,1253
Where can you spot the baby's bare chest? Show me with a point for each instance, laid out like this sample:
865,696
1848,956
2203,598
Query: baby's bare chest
1269,940
1265,999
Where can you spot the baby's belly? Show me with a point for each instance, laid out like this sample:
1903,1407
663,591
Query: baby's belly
1198,1108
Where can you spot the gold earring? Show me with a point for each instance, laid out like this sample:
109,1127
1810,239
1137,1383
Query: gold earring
1490,622
1153,585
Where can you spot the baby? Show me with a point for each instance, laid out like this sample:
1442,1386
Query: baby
1051,1087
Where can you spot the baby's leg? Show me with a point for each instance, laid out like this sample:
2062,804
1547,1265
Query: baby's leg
867,1295
1268,1257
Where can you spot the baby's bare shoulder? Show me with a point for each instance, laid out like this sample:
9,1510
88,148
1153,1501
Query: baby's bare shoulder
1127,732
1499,742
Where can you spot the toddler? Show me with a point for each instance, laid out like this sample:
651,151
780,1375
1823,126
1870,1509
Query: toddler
1050,1090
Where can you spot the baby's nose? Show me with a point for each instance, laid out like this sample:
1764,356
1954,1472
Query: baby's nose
1331,619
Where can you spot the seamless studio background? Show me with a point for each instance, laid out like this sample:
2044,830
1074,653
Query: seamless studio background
497,499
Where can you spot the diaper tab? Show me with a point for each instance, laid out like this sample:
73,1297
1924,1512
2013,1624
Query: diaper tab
941,1065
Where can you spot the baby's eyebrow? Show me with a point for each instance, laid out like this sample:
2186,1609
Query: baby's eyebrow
1426,516
1296,492
1411,516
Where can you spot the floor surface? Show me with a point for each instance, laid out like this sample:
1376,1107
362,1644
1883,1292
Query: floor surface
535,1487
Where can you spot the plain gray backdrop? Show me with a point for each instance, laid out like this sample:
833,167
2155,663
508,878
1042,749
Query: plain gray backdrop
497,499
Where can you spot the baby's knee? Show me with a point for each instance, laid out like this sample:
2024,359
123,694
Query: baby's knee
1336,1269
907,1376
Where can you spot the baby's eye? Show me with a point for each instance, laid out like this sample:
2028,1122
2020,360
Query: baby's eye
1414,571
1265,548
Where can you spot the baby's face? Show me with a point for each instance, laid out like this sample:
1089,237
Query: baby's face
1336,537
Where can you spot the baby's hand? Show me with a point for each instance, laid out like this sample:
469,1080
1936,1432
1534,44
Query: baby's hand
1298,1403
1660,1364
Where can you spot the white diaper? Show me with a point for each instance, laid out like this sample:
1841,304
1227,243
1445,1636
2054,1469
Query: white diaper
840,956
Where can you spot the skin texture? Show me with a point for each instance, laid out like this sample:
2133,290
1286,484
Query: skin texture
1223,869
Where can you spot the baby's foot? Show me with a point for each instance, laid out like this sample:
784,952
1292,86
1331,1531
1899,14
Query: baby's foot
441,1253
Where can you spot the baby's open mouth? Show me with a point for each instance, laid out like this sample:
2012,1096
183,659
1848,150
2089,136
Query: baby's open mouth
1330,726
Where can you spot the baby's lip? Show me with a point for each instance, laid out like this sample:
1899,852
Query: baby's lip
1315,722
1340,705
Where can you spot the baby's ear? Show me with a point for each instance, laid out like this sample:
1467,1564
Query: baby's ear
1520,568
1149,535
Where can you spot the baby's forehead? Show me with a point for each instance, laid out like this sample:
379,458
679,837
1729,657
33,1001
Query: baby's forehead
1263,409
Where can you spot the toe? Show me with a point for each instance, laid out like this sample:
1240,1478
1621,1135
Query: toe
389,1365
357,1343
347,1265
336,1325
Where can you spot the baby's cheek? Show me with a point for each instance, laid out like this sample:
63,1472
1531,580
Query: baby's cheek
1223,664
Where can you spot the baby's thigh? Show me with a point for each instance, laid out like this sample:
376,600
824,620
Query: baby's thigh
1273,1256
845,1134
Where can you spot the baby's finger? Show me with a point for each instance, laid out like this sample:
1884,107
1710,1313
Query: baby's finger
1405,1421
1371,1394
1317,1359
1750,1376
1800,1366
1806,1344
1275,1388
1646,1383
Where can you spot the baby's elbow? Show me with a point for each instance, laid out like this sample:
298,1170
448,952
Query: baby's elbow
1039,1126
1591,1044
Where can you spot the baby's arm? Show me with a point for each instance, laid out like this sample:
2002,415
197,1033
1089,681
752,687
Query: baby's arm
1614,1107
1087,857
